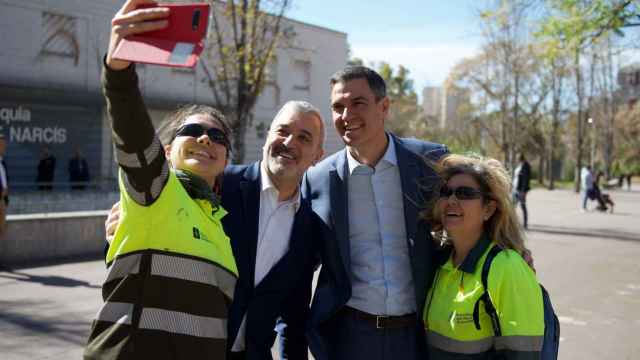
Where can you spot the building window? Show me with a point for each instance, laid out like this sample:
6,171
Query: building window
59,36
301,75
269,97
271,71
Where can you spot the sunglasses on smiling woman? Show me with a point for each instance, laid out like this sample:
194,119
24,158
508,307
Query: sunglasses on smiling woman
196,130
461,193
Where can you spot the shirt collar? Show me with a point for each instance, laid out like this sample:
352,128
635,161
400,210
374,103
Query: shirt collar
268,185
471,260
389,156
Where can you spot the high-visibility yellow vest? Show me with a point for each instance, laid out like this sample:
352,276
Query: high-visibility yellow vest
514,291
170,281
174,223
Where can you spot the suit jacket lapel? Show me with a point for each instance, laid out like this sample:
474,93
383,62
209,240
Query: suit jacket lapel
339,207
250,187
409,177
420,244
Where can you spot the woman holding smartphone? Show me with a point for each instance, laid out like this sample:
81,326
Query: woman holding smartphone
171,272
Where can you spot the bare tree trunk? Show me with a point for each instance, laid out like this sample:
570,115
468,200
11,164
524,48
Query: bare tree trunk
239,128
591,112
556,83
515,133
505,133
541,167
580,123
610,111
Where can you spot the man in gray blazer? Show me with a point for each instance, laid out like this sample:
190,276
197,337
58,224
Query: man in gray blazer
377,258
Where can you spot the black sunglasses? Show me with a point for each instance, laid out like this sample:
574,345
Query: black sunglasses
196,130
461,193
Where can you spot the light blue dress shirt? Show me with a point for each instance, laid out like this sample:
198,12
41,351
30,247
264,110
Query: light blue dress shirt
381,278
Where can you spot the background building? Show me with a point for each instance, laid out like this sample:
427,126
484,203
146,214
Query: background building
51,58
432,103
445,104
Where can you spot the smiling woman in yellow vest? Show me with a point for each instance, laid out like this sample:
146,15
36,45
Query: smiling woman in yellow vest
474,213
171,272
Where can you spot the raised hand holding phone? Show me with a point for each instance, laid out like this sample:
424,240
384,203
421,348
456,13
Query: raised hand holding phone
175,36
130,20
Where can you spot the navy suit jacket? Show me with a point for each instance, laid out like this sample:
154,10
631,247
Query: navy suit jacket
286,290
325,185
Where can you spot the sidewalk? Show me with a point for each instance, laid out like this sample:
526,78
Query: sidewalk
587,261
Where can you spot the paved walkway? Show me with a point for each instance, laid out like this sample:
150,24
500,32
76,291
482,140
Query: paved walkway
587,261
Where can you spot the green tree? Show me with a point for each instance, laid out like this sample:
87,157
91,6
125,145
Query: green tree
627,131
575,26
405,116
243,43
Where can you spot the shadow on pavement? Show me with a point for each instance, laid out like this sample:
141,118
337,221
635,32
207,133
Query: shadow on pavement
47,280
593,233
60,326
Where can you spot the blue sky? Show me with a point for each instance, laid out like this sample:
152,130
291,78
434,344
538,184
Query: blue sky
426,36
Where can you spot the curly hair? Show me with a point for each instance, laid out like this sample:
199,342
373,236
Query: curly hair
495,183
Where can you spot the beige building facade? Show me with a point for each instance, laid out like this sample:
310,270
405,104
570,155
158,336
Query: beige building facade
51,58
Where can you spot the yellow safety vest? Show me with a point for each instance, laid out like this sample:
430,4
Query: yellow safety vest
514,291
170,281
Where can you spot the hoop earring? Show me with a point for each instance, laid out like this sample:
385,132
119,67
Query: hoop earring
442,237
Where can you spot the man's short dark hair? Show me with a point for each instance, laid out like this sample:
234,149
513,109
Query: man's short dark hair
375,81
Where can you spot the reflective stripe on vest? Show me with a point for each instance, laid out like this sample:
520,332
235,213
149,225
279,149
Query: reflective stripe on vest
125,265
165,320
193,270
116,312
458,346
519,343
175,267
514,343
183,323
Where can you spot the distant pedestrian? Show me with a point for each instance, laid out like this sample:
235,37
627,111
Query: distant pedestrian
629,175
4,186
46,169
586,182
521,186
78,171
602,198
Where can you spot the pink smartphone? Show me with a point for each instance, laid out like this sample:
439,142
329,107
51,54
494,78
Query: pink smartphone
179,44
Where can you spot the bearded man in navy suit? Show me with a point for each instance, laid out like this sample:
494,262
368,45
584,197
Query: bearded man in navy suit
272,235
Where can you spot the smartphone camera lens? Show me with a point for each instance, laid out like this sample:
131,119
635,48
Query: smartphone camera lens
195,21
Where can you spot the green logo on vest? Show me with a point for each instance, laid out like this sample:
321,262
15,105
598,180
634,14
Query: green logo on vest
198,235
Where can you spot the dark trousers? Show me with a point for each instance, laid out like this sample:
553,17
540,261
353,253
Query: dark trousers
353,339
237,355
521,198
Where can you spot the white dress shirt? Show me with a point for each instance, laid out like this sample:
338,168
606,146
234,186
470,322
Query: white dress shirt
274,232
381,279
